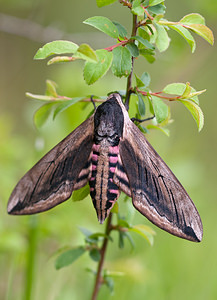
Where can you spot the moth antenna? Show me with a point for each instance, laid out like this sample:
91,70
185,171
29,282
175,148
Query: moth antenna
143,120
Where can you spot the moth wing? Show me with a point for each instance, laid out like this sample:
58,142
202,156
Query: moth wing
155,190
52,180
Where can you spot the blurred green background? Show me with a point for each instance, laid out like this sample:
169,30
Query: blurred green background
172,268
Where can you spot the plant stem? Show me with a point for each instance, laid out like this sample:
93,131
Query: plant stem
99,279
121,43
158,94
129,79
31,257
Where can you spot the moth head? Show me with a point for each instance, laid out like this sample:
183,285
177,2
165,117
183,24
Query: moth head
109,122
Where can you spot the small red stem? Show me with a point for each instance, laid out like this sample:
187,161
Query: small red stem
122,43
158,94
146,12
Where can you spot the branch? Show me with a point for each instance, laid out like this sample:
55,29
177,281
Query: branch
126,3
129,79
122,43
158,94
99,279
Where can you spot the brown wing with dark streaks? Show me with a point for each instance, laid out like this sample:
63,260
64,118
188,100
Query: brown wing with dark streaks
52,180
155,190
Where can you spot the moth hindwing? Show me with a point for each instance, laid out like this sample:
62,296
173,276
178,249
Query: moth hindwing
110,153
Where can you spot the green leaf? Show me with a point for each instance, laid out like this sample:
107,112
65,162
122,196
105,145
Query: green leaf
203,31
43,98
95,255
59,59
123,223
121,240
186,34
68,257
148,54
51,88
93,272
137,9
145,232
182,89
175,88
150,29
162,129
122,62
141,105
121,29
161,110
86,52
42,114
81,194
110,283
187,91
158,9
196,112
143,129
86,232
194,95
146,79
139,82
98,235
101,3
94,71
193,19
162,40
128,236
154,2
115,208
151,109
56,47
143,42
114,274
145,3
103,24
143,33
134,51
64,105
145,228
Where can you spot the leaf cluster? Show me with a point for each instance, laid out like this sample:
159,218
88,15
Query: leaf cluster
150,33
93,244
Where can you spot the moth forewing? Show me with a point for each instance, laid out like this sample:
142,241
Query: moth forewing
53,179
156,192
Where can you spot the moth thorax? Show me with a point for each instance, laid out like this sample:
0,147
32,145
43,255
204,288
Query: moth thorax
108,123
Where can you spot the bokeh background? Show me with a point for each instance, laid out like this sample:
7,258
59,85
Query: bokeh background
172,268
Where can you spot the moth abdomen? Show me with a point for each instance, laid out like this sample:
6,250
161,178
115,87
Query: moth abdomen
104,192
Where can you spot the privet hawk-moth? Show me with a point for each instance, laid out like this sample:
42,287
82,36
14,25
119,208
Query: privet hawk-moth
109,151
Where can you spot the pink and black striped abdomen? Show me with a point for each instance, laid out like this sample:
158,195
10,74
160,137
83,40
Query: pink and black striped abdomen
104,192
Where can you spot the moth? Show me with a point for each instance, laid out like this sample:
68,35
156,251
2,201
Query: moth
110,152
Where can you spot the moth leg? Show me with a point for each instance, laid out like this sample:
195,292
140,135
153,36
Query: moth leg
94,105
143,120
